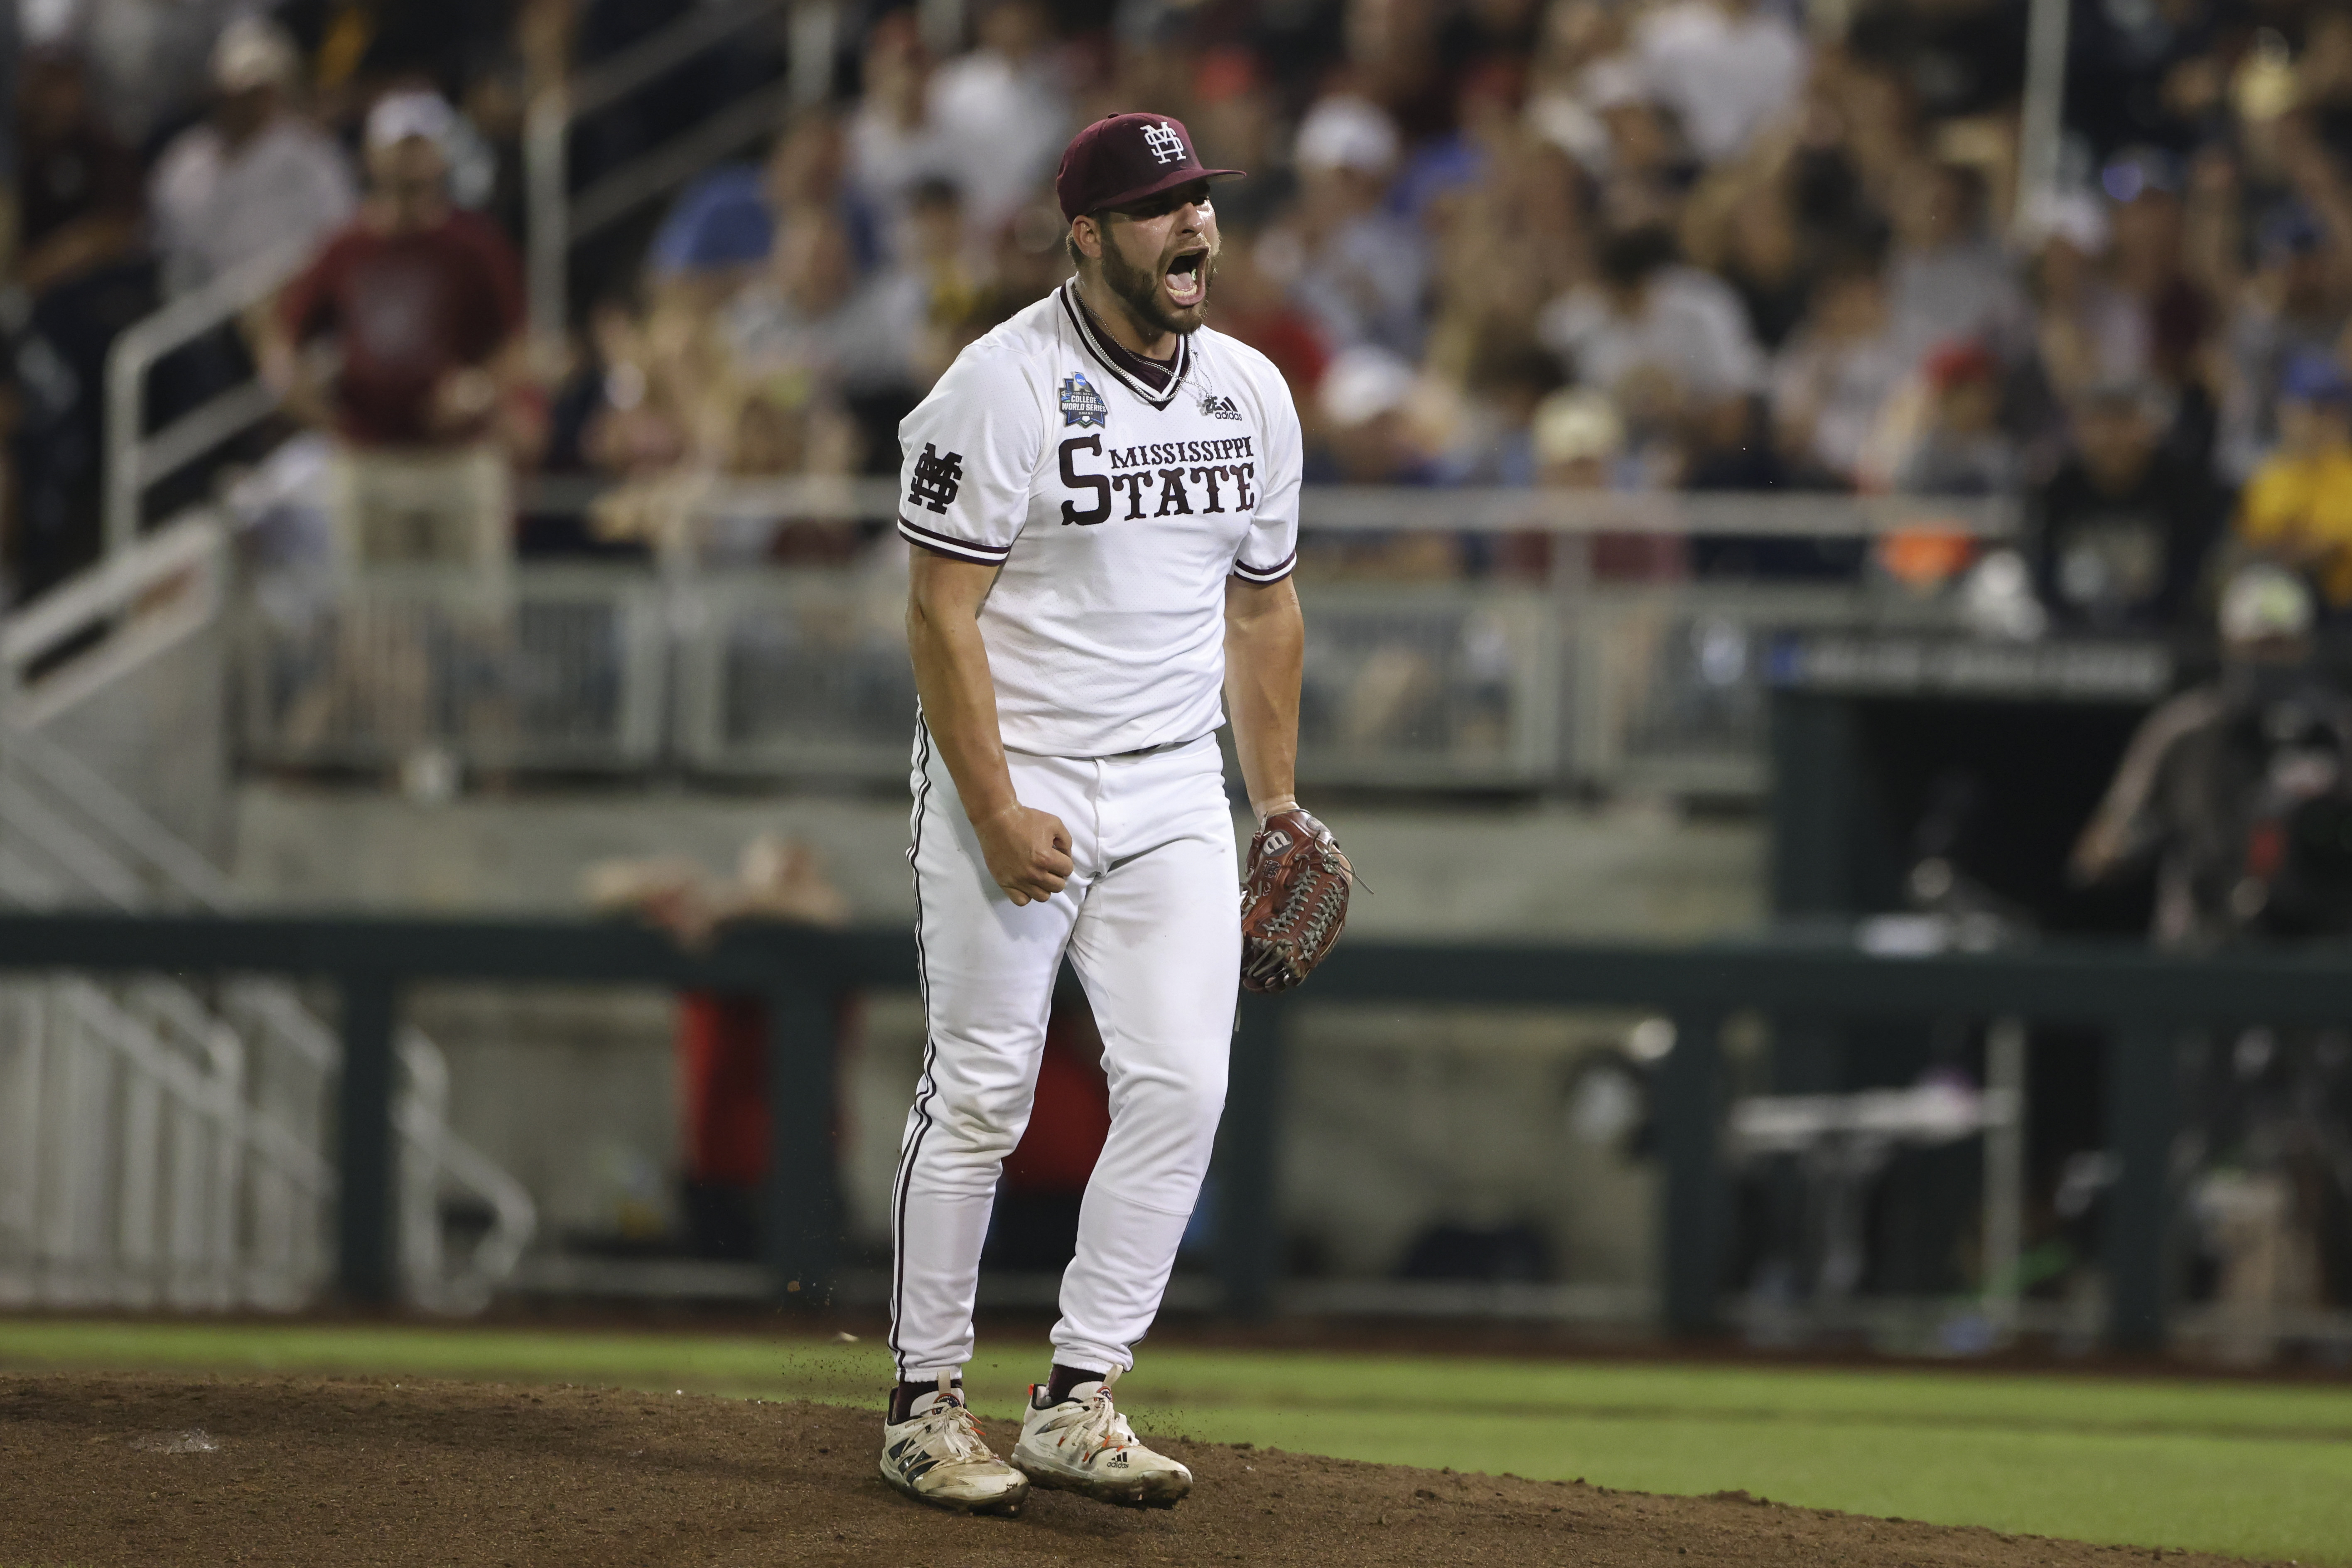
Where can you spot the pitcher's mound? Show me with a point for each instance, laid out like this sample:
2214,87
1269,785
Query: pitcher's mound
148,1470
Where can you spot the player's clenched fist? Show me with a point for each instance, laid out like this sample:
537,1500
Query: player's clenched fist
1028,852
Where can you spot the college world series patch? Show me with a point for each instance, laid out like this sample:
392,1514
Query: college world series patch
1082,405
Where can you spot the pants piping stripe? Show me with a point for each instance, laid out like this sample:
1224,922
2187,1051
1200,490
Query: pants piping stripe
925,1085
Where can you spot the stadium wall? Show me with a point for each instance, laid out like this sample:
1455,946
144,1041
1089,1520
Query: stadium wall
572,1090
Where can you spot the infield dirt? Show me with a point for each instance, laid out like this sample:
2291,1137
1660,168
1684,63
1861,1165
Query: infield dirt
101,1470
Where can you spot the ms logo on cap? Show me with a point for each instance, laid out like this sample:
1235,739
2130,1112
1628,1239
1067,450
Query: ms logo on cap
1166,145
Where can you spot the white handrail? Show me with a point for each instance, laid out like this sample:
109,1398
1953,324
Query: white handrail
111,585
1395,508
137,845
616,76
135,459
146,599
191,875
557,219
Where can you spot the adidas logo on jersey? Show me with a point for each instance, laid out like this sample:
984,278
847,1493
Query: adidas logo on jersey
1082,405
1217,407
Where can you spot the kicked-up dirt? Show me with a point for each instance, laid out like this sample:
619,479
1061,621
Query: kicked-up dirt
106,1470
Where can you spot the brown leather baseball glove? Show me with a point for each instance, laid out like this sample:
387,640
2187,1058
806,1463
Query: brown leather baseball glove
1294,901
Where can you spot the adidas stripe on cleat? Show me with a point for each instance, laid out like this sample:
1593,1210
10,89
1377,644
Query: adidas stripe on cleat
1084,1445
938,1456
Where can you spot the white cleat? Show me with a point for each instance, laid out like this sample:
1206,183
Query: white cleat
1084,1445
938,1456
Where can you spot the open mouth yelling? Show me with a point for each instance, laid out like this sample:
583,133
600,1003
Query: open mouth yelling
1187,280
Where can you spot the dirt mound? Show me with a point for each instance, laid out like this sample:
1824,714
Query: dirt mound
150,1471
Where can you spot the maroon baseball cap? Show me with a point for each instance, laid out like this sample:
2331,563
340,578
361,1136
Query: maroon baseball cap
1125,158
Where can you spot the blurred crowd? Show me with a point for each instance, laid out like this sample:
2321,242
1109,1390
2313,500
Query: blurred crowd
1703,244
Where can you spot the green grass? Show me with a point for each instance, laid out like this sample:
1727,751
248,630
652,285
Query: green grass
2258,1470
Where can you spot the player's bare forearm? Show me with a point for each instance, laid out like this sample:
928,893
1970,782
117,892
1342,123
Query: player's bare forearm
1265,645
943,600
1027,851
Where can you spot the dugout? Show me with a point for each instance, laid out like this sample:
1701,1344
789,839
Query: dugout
1921,776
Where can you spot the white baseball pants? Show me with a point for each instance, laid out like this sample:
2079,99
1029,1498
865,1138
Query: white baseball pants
1151,922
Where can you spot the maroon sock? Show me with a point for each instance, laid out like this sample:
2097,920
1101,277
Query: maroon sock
1063,1379
903,1398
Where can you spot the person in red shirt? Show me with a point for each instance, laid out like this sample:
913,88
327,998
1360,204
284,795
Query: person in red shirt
424,302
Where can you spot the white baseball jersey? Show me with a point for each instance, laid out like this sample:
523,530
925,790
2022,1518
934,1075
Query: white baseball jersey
1116,513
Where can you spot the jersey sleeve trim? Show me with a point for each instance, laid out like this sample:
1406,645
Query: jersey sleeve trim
1273,573
961,549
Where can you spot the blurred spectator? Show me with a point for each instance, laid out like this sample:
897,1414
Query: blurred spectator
897,144
1359,269
722,230
1374,428
1255,305
2150,262
810,332
78,204
146,60
360,49
1726,68
610,414
942,276
2118,537
1238,123
1833,383
2295,304
1005,110
1394,60
1575,35
253,179
1763,257
1645,167
1510,379
424,302
1366,404
2236,788
81,278
1731,447
1960,57
2297,508
1957,447
1578,442
1949,276
1662,338
1489,116
722,1038
2089,332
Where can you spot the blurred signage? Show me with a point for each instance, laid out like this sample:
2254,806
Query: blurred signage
1967,666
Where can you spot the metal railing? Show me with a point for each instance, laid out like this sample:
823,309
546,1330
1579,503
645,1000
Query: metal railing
135,459
244,1071
2141,1001
133,1170
559,218
130,607
567,674
1523,681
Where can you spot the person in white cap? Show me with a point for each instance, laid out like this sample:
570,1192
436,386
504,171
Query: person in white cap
424,301
257,178
1363,270
2224,785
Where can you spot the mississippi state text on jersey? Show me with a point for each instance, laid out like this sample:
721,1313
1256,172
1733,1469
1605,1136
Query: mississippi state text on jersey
1116,508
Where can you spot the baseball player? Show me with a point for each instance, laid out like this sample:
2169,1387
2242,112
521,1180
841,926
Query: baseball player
1103,494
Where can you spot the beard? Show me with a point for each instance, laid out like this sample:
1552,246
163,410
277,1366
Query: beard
1138,289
